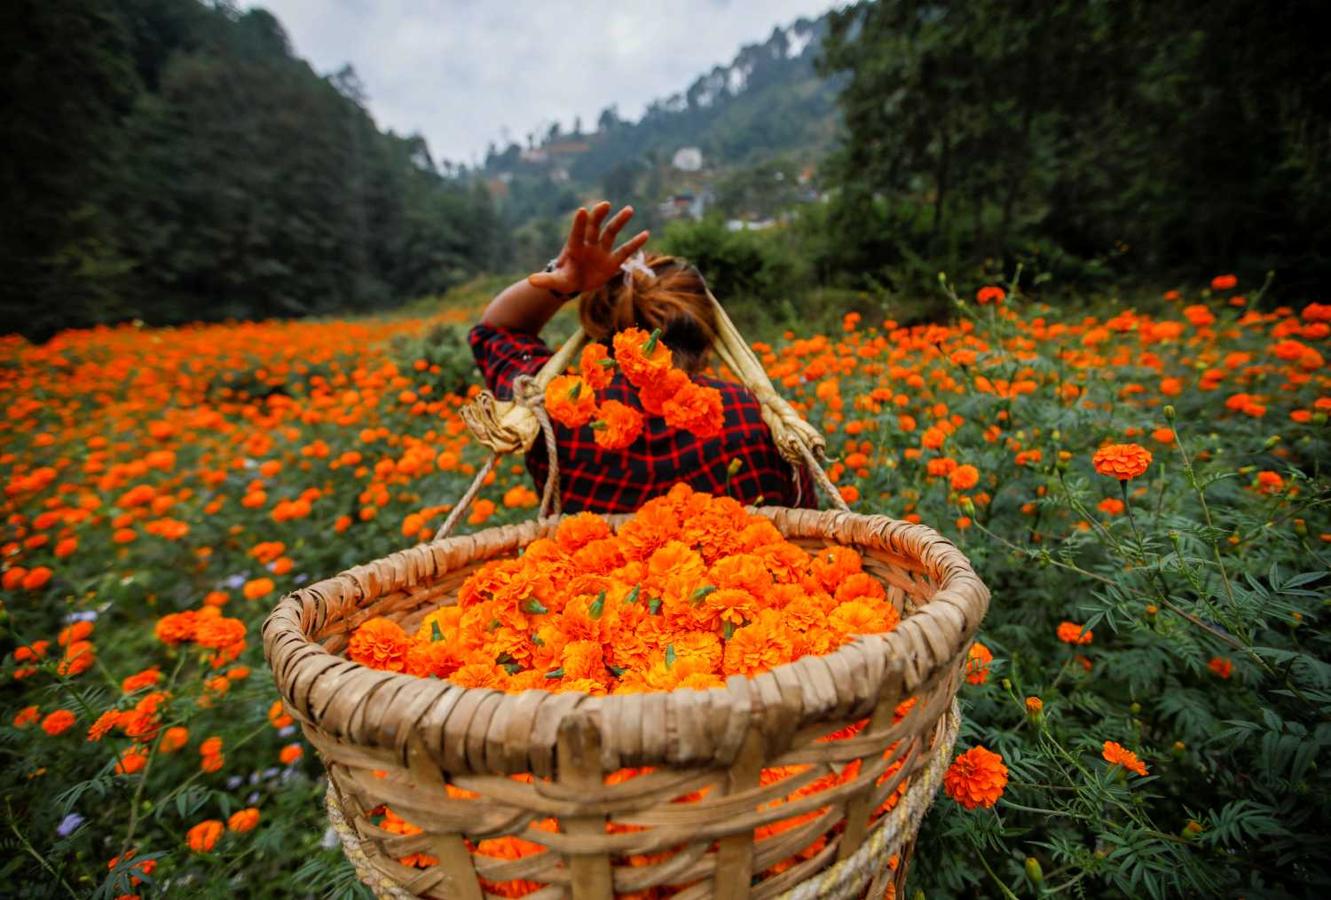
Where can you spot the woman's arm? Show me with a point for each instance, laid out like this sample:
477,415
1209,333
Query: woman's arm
586,263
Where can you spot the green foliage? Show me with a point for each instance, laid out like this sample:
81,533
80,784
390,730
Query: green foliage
1134,130
174,162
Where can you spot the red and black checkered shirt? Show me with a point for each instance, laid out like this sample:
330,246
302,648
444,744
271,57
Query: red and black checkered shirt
612,481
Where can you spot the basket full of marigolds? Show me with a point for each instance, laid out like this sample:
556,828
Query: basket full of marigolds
696,700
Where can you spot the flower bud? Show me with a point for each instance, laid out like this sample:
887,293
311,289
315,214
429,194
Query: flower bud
1033,870
1192,829
1179,747
1135,709
1271,441
1170,413
1007,684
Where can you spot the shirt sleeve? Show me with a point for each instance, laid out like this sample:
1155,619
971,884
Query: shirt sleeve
502,355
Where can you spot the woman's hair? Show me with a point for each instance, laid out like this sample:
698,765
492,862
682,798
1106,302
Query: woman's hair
672,298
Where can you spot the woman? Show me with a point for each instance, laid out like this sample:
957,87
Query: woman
622,289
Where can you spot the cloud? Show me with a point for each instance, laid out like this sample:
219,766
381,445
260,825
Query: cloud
467,73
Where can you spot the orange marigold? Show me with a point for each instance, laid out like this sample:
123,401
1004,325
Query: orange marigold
243,820
570,401
176,628
696,408
58,722
976,778
380,644
204,836
977,663
642,358
1116,754
617,425
1072,633
596,367
1122,461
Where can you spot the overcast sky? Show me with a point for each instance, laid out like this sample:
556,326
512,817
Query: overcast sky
466,73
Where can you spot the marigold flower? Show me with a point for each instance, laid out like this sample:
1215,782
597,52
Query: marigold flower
176,628
965,477
72,634
1072,633
140,680
173,739
381,644
1221,666
1115,754
37,578
978,659
1122,461
26,716
990,293
204,836
976,778
640,356
617,425
259,587
131,761
219,631
243,820
105,722
570,401
290,753
1224,282
1034,706
596,367
697,409
277,715
79,658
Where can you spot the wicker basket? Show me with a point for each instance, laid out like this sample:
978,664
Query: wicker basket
398,740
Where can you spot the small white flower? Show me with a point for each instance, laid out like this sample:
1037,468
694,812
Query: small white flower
330,839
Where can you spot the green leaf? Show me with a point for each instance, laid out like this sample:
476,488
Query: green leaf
597,607
534,607
574,391
670,656
729,630
632,596
654,606
701,594
435,633
652,341
616,670
555,673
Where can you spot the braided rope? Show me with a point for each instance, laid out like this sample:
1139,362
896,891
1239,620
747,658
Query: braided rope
379,884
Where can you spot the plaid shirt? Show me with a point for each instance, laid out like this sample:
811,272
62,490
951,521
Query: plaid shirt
610,481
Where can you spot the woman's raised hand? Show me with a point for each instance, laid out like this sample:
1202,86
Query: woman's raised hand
589,259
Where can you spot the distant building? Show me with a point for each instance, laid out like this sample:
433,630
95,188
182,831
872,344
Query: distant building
747,225
687,159
683,206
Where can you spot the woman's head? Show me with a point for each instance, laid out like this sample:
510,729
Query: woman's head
673,298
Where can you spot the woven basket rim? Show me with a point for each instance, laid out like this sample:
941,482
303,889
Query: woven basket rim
484,731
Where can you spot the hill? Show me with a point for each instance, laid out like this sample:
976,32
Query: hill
767,113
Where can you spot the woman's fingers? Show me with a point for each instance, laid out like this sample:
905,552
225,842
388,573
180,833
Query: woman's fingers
599,212
631,246
612,229
577,235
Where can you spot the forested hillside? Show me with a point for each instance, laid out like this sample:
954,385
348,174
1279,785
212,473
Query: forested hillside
172,161
760,123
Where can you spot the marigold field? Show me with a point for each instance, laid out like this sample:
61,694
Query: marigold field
1146,711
